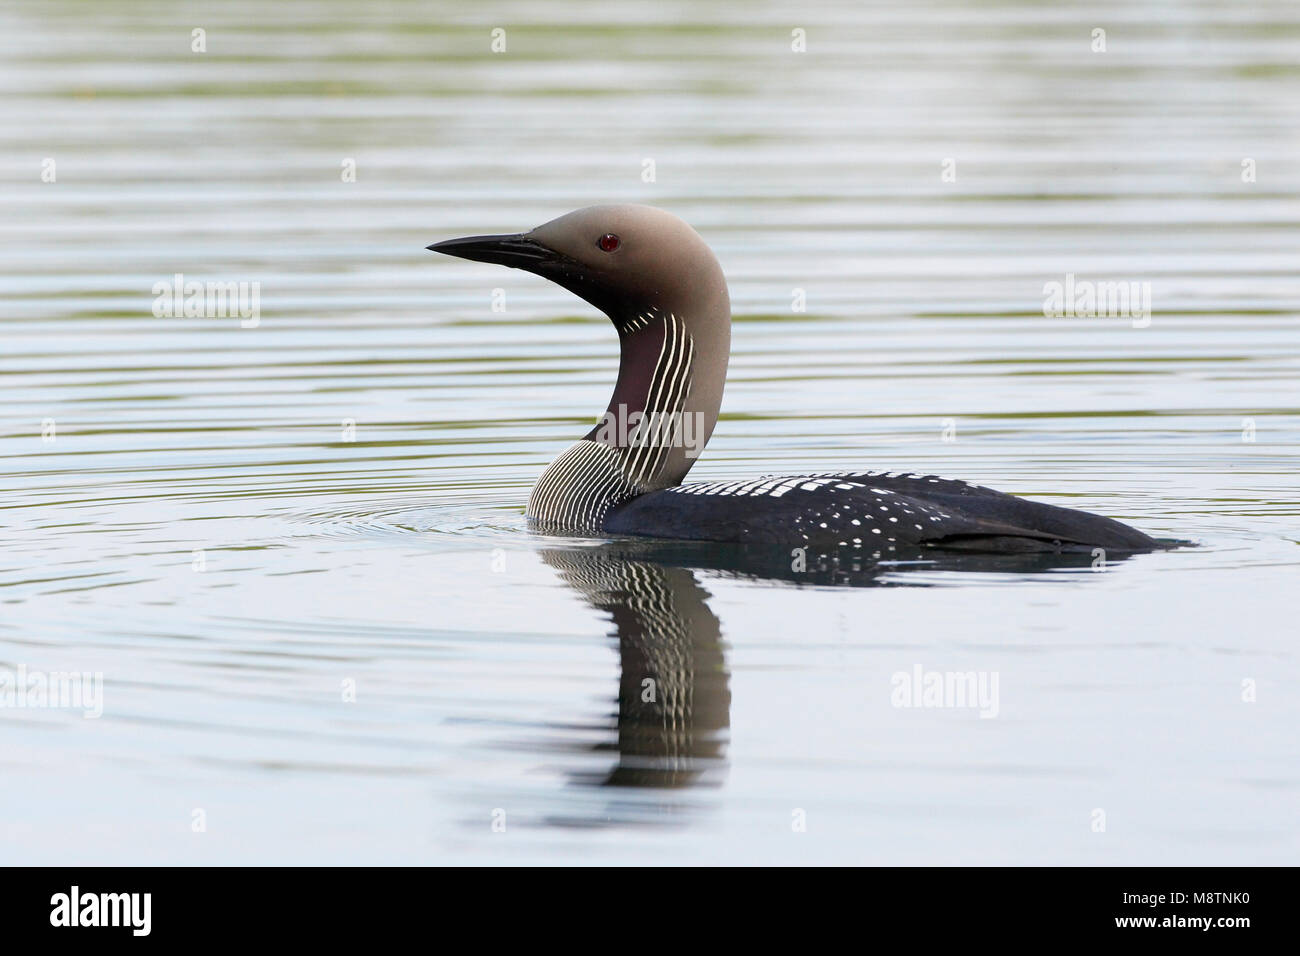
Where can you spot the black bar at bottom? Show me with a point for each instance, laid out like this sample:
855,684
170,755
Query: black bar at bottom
335,906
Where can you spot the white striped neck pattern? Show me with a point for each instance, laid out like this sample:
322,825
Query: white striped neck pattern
611,465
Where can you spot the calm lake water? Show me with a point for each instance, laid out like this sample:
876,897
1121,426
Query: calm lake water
296,551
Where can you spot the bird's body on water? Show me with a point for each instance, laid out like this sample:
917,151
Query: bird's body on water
663,289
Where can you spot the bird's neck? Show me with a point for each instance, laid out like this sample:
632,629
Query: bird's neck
672,369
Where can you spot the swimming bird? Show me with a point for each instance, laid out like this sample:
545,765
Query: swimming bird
663,289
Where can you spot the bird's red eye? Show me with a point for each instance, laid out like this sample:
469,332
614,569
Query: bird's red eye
608,242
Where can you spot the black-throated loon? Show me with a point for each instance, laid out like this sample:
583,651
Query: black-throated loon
663,289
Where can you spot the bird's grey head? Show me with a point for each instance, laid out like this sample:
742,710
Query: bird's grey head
623,259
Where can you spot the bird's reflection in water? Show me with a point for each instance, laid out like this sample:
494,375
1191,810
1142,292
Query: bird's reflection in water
674,702
674,696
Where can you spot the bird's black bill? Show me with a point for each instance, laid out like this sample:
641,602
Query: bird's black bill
516,251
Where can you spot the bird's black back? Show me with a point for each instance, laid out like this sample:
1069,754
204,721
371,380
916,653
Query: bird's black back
871,511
